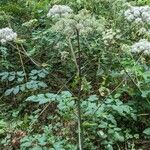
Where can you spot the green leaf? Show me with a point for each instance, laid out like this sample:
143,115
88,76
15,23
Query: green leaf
145,93
4,76
11,78
118,137
8,92
41,74
2,131
109,147
20,79
28,85
147,131
32,84
20,73
2,124
42,140
51,96
93,98
42,84
26,144
102,134
16,90
33,77
32,98
34,71
42,99
37,148
22,87
117,95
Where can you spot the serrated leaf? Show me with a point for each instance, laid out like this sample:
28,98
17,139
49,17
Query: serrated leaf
28,85
37,148
45,71
147,131
51,96
26,144
33,77
42,84
41,74
32,98
11,78
8,92
20,79
16,90
4,76
22,87
34,71
42,99
145,93
20,73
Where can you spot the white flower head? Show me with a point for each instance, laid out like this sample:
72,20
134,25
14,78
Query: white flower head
142,46
64,55
109,36
142,31
7,34
138,14
3,41
59,10
83,22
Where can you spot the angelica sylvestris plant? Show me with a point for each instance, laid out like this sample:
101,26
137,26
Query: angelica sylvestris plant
59,11
143,46
76,25
109,36
138,14
7,35
83,22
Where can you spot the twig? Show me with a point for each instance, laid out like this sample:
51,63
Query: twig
37,64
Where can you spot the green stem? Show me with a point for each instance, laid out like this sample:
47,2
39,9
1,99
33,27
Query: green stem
80,129
73,55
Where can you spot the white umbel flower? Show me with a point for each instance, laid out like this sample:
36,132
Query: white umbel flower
109,36
7,34
83,22
138,14
59,10
142,46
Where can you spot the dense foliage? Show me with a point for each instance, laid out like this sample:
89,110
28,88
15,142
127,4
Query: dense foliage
75,74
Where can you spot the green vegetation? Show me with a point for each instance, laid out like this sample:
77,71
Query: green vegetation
74,74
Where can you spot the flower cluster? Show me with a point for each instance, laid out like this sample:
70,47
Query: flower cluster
7,34
84,22
59,10
109,36
138,15
142,46
64,55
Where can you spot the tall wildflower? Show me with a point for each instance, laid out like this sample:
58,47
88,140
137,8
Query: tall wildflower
7,34
109,36
84,22
138,14
142,46
59,10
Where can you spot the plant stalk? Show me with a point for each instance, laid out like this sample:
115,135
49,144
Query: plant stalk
80,129
73,55
22,64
